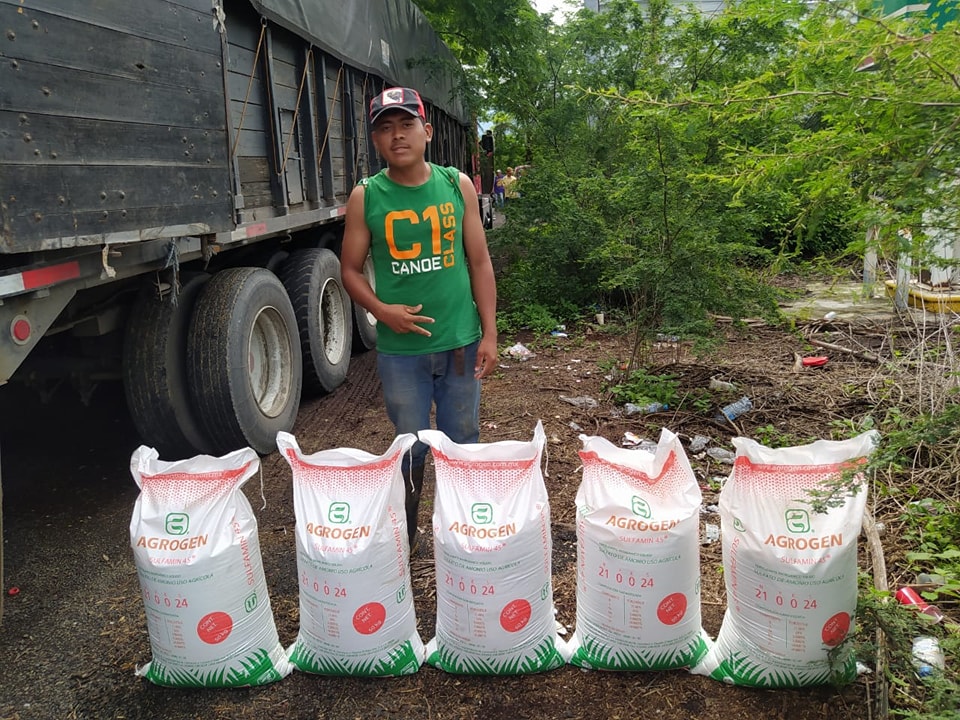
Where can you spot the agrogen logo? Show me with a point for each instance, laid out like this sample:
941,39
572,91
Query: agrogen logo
640,507
177,523
339,513
798,521
482,513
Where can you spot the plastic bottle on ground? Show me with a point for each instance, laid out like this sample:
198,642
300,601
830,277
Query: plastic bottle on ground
725,385
734,409
722,455
699,443
654,407
927,656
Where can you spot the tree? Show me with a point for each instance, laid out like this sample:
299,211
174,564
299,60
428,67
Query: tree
495,41
853,109
619,209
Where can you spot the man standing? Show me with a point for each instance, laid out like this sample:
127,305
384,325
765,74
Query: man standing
435,299
498,189
509,188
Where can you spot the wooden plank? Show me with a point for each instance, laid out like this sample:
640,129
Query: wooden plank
276,150
52,139
250,114
310,149
321,120
125,185
252,143
243,26
242,44
256,195
67,43
290,162
37,88
285,97
240,90
187,23
65,229
253,169
39,189
255,182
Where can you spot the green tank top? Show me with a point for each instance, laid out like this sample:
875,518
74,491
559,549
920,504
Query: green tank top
416,242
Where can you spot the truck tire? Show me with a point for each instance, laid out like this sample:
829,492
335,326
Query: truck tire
486,210
155,370
365,324
3,586
243,359
322,307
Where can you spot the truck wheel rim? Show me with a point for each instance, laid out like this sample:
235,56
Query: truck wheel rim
269,362
333,321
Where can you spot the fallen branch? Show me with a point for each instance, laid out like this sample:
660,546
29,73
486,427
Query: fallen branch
880,583
750,322
862,354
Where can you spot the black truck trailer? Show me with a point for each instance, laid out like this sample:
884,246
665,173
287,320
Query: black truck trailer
173,180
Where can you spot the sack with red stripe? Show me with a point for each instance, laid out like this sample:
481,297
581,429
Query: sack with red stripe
790,569
638,558
356,601
492,550
197,552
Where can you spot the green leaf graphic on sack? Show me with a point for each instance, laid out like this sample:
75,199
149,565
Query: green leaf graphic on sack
482,514
176,523
339,512
640,507
797,521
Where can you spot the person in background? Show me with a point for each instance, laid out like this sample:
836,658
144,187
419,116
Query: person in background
509,185
436,296
498,189
486,143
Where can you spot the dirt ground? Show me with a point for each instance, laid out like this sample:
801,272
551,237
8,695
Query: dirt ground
74,628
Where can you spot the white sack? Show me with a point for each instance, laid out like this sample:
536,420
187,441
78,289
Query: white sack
197,553
638,559
790,573
356,602
492,548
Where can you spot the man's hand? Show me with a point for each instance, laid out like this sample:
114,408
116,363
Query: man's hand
404,319
486,358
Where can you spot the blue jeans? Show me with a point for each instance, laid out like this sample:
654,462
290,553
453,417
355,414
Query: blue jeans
412,384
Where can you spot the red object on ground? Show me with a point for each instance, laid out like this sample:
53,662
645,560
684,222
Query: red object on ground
13,591
818,361
909,596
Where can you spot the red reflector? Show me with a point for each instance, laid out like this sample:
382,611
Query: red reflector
41,277
20,330
258,229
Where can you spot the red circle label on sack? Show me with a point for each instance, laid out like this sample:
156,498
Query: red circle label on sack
672,608
215,627
835,629
369,618
515,615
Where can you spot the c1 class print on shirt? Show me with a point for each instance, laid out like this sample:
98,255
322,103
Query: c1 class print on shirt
443,235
